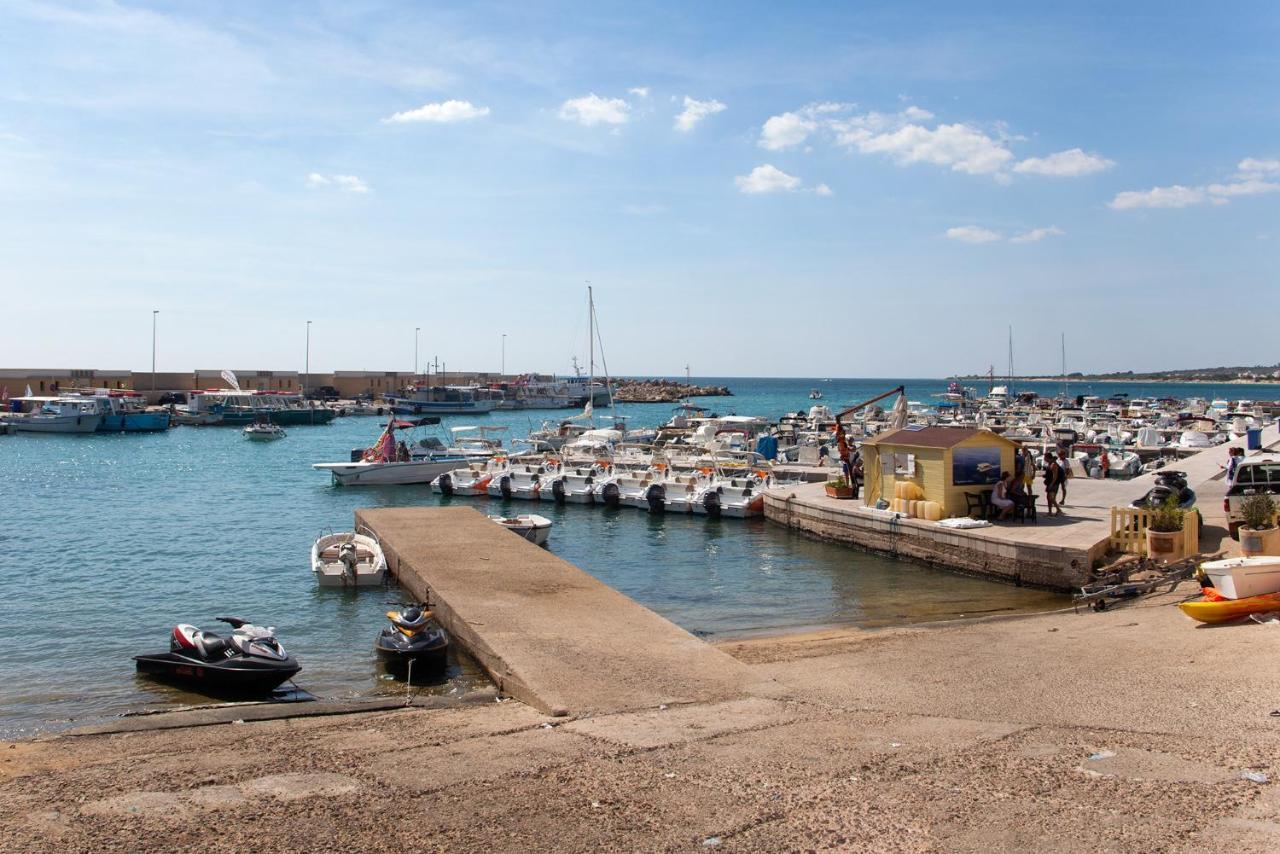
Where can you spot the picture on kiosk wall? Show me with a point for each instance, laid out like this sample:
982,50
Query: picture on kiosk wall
975,466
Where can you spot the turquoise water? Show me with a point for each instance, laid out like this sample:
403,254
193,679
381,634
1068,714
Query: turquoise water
111,539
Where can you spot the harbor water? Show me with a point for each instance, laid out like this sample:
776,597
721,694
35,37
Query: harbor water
109,540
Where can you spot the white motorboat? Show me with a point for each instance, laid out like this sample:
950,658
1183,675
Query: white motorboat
473,479
348,560
1242,577
372,472
572,484
532,527
519,480
264,431
739,498
1194,439
815,395
634,489
54,415
681,492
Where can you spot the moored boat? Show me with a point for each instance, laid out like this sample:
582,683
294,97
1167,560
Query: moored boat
531,526
264,431
249,663
53,415
348,560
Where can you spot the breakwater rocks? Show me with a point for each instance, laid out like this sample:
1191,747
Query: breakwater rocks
663,391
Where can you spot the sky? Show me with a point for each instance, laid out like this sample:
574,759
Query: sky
752,189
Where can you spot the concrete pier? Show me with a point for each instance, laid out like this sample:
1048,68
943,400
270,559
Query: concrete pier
548,633
1056,552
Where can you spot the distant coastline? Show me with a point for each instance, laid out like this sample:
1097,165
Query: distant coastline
1165,380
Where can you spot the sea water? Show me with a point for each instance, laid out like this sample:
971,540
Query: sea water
108,540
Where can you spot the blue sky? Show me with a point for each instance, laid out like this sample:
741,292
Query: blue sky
753,189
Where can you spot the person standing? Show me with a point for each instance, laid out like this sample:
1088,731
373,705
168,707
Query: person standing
1052,478
1064,472
1235,456
1104,463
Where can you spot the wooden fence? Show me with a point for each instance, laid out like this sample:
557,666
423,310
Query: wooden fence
1129,531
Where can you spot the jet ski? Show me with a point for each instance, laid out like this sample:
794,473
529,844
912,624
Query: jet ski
1168,483
414,645
249,663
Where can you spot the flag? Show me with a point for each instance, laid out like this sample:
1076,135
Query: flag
29,390
231,380
4,394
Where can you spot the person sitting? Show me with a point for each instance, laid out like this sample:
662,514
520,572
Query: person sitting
402,453
1000,496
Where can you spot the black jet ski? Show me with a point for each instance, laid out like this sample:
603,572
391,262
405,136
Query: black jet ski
413,646
1168,483
249,663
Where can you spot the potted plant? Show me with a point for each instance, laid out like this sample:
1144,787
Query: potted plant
1164,530
839,488
1258,532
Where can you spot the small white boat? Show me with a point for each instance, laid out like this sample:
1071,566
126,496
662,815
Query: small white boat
348,560
264,432
634,489
473,479
532,527
1242,577
738,498
815,395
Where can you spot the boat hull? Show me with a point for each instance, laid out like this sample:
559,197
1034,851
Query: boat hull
1244,577
535,529
53,423
283,417
373,474
237,677
1218,611
135,422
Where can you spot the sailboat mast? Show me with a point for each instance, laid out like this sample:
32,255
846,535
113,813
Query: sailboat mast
1064,366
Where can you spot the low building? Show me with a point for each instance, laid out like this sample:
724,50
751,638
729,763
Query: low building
286,381
43,381
375,383
944,462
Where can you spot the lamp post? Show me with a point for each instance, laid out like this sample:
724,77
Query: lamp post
306,376
154,313
504,355
416,330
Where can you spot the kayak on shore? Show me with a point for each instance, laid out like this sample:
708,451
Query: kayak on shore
1215,608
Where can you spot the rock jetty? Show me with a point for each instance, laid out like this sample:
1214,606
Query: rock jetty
663,391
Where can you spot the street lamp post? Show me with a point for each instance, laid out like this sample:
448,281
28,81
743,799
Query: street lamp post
504,355
154,312
416,330
306,376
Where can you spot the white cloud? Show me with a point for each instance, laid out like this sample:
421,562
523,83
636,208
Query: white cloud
639,91
1176,196
1065,164
1253,166
1247,187
823,190
767,179
695,111
973,234
961,147
1035,235
785,131
593,110
349,183
445,112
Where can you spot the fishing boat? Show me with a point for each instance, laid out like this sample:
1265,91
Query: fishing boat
532,527
264,431
125,411
53,415
1244,577
444,400
348,560
237,407
1215,608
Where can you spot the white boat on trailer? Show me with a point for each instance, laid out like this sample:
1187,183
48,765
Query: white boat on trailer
532,527
348,560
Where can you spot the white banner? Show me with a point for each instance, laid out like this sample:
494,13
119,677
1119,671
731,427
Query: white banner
231,380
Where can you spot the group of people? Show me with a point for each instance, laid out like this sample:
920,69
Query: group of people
1013,490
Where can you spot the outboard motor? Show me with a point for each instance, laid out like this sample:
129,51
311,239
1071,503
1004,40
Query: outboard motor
347,554
446,484
557,490
610,495
504,486
656,495
711,503
357,454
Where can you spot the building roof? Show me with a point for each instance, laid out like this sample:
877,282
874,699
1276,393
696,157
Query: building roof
930,437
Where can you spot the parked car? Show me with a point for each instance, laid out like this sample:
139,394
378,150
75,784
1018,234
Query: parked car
323,392
1252,477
